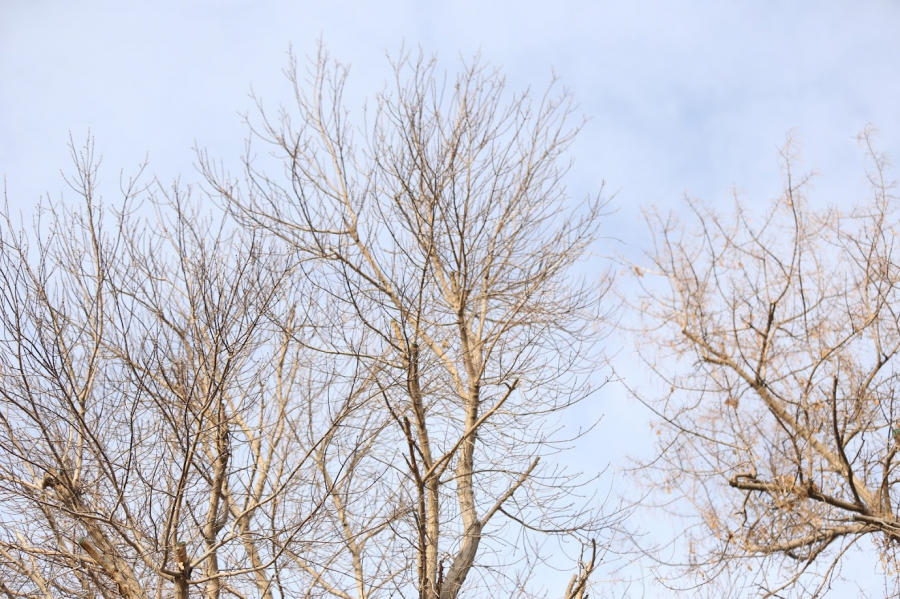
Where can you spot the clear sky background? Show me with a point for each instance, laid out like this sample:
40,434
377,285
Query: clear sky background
683,97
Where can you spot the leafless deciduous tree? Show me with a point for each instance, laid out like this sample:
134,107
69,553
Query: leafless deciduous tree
442,234
779,340
159,423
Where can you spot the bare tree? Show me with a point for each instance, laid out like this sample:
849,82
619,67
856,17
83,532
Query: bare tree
440,230
159,421
778,339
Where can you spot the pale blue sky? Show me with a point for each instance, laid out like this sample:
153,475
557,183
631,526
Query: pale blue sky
683,96
686,96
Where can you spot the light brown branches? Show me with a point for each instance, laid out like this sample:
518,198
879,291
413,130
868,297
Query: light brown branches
779,336
442,235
